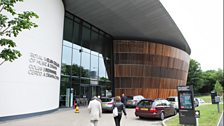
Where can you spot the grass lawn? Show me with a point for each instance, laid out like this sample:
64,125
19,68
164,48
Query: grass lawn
209,116
206,98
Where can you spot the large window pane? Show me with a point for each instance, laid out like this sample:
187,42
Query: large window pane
85,63
76,57
94,35
76,62
67,43
85,33
81,65
102,68
94,63
68,25
67,55
75,46
76,33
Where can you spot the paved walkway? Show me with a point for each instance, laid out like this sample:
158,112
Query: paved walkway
221,121
67,117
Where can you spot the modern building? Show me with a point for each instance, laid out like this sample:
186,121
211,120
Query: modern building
85,48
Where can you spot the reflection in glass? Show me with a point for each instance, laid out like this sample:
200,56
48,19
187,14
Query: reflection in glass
102,68
76,57
85,63
67,43
94,64
67,55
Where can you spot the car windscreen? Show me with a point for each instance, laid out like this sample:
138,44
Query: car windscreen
106,99
171,99
130,97
145,103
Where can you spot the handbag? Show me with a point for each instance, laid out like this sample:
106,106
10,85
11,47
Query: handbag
115,112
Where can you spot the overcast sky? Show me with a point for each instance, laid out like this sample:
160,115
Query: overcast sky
201,23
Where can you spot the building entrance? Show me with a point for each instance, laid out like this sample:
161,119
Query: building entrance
86,68
88,91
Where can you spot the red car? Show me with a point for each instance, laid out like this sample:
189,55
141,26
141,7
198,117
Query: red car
147,108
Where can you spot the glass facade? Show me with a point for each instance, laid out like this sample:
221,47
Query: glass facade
87,68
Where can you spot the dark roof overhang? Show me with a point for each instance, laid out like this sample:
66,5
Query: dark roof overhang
130,19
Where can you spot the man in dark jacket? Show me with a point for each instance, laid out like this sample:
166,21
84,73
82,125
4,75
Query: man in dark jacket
124,99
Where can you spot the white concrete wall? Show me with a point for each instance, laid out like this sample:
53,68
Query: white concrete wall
22,92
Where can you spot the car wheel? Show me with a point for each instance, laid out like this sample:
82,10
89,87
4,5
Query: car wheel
162,116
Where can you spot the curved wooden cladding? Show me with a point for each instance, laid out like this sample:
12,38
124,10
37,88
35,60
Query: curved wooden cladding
150,69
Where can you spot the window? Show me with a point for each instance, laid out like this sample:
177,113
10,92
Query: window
84,57
145,103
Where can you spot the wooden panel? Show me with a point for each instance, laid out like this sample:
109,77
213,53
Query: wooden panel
166,50
159,49
152,48
164,62
149,69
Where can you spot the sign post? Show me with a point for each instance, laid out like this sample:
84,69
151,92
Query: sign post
187,114
215,99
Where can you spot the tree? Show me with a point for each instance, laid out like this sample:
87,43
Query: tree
210,77
11,24
218,88
220,76
195,75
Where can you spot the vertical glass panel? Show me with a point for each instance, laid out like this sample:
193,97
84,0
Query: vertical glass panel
67,43
76,33
67,55
76,88
76,57
68,25
80,61
85,33
76,62
75,46
85,50
64,86
102,68
94,68
94,35
85,63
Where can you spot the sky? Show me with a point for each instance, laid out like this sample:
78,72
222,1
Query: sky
201,23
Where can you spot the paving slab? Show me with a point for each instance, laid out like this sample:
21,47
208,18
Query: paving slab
67,117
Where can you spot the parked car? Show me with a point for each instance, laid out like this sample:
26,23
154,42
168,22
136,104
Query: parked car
148,108
132,101
196,103
174,101
107,104
200,101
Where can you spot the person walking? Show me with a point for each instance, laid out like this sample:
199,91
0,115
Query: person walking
95,111
120,107
124,99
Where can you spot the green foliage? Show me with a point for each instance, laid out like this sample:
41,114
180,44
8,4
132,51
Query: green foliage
209,116
74,70
195,75
210,77
218,88
12,27
203,81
